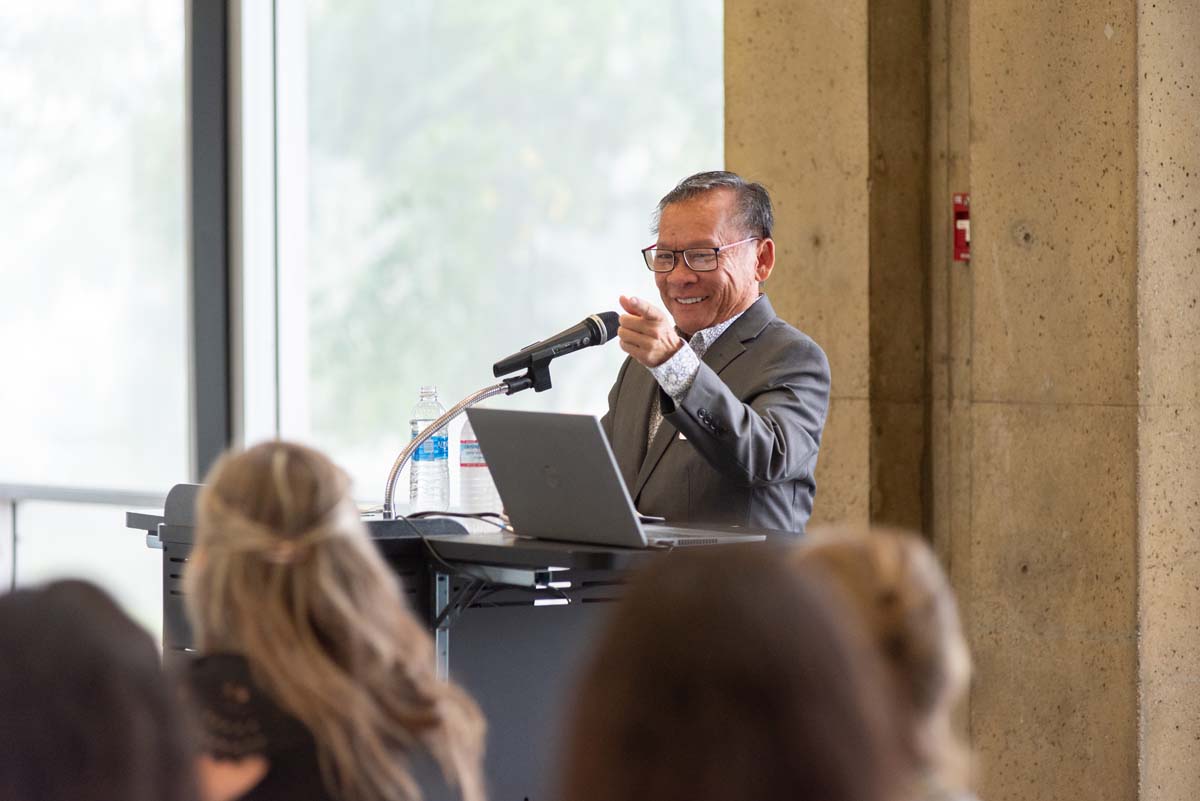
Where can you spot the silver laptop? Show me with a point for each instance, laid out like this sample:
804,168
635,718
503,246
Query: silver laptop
559,481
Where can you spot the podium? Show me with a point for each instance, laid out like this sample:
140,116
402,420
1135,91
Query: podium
511,618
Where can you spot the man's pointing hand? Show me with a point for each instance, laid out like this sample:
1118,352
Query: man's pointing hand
647,333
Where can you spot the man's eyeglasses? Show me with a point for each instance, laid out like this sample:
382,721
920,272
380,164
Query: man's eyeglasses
662,260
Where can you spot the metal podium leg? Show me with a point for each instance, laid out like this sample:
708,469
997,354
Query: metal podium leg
441,635
446,610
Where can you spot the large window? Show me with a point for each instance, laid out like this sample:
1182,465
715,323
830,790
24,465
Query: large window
90,541
92,312
474,177
439,184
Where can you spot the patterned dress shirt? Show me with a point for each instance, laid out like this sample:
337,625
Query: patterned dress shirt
677,373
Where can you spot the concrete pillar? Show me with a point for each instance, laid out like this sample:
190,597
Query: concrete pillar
1078,562
847,168
796,119
1051,444
1051,562
1168,437
899,261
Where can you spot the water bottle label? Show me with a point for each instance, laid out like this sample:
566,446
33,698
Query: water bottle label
432,449
469,454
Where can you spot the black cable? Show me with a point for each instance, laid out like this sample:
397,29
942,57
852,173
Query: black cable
457,606
450,569
559,592
454,570
463,573
482,600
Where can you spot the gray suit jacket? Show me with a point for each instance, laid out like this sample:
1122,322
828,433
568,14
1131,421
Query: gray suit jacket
752,420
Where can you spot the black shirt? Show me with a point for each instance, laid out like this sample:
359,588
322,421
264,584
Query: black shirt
236,719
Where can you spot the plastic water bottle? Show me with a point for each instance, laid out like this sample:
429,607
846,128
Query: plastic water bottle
478,491
429,477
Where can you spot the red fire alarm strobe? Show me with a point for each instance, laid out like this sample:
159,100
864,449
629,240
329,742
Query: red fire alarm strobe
962,227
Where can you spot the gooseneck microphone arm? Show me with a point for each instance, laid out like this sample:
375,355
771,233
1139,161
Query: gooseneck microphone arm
534,360
506,387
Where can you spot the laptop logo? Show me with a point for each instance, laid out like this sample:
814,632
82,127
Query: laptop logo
550,476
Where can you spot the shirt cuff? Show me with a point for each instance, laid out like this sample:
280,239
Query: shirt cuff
677,373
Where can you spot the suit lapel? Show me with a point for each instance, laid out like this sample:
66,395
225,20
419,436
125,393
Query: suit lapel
725,349
664,437
641,391
728,347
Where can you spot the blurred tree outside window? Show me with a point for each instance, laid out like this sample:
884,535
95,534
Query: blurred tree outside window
480,176
93,318
93,385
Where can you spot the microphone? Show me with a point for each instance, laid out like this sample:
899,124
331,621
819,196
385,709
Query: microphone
594,330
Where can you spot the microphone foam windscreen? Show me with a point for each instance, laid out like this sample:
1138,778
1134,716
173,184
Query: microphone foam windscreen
611,322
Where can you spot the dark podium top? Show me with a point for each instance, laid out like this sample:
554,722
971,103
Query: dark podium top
523,613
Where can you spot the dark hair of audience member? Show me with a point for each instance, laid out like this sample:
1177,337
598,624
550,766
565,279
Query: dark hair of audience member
85,711
723,675
894,583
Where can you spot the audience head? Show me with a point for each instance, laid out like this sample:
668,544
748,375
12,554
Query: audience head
722,675
85,713
893,580
284,573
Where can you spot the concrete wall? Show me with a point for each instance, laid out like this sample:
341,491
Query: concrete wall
796,119
899,260
847,170
1053,451
1038,409
1168,477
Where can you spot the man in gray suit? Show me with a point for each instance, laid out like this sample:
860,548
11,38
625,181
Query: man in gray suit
716,416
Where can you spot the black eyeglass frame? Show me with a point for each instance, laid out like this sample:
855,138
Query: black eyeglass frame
716,253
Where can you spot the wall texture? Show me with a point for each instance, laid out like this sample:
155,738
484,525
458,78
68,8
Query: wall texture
1053,341
847,168
796,119
899,260
1168,476
1036,411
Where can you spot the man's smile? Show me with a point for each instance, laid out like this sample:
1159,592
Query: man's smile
690,301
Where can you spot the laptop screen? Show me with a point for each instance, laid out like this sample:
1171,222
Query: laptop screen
557,476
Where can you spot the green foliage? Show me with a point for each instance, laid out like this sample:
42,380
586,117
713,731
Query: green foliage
482,174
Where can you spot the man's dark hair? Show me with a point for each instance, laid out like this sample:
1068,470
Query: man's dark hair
86,713
753,202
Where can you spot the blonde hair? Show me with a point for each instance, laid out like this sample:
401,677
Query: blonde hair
284,574
894,580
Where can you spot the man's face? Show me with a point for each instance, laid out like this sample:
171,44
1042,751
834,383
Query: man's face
698,300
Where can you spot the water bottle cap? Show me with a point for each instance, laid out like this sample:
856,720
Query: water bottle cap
428,392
